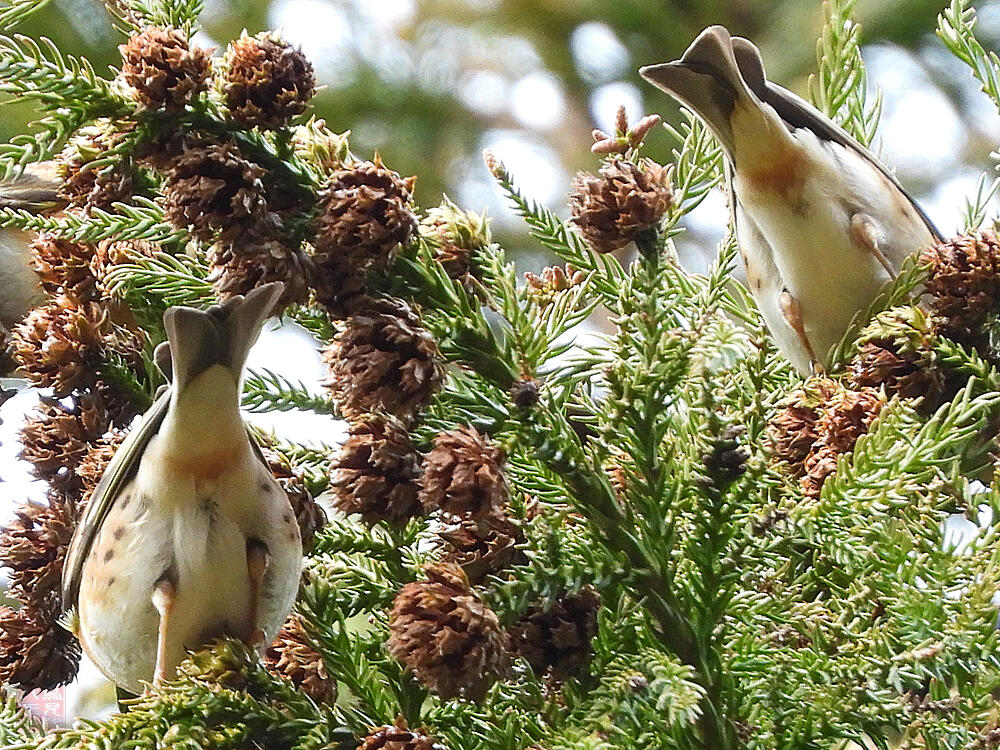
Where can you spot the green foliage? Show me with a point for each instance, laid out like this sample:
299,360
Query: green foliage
840,88
956,28
736,610
12,12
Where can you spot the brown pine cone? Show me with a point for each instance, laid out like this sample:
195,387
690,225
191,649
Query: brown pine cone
463,475
456,235
881,363
63,267
109,254
792,431
267,81
557,639
33,546
293,657
398,737
376,472
383,360
211,189
59,344
36,652
308,513
87,186
964,282
91,467
238,269
482,548
845,418
367,214
444,634
162,69
612,209
56,438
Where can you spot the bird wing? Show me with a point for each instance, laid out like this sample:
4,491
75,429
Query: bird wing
116,476
799,113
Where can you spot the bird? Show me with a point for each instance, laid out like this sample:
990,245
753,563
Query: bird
187,536
35,190
821,224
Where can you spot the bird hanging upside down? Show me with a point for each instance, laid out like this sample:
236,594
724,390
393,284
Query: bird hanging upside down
187,536
821,224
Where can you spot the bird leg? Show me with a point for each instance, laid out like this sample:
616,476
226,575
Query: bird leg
258,560
866,234
791,311
164,592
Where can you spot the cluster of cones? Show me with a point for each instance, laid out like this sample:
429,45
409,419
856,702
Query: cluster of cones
898,356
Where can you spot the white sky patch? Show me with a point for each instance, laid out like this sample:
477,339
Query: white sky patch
598,53
484,92
537,101
292,352
16,482
606,99
946,202
323,33
536,168
921,135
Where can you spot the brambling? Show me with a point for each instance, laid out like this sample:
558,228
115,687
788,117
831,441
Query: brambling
187,536
820,222
35,190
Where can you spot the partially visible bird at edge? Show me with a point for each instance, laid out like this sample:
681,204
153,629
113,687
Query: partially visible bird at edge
821,224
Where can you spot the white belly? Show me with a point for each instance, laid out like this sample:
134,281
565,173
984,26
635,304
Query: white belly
807,248
203,543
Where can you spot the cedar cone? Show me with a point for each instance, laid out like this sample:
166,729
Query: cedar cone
525,393
725,461
36,652
366,215
85,185
238,269
310,515
398,737
376,472
55,438
444,634
293,657
557,639
845,418
314,142
612,209
792,431
482,548
111,253
543,290
165,72
91,467
964,282
881,363
212,188
897,353
63,267
267,81
383,360
33,546
59,344
463,475
455,235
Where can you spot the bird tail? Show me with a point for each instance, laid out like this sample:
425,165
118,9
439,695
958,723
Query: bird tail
220,335
35,190
708,78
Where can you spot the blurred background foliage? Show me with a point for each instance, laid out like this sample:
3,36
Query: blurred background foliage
430,83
